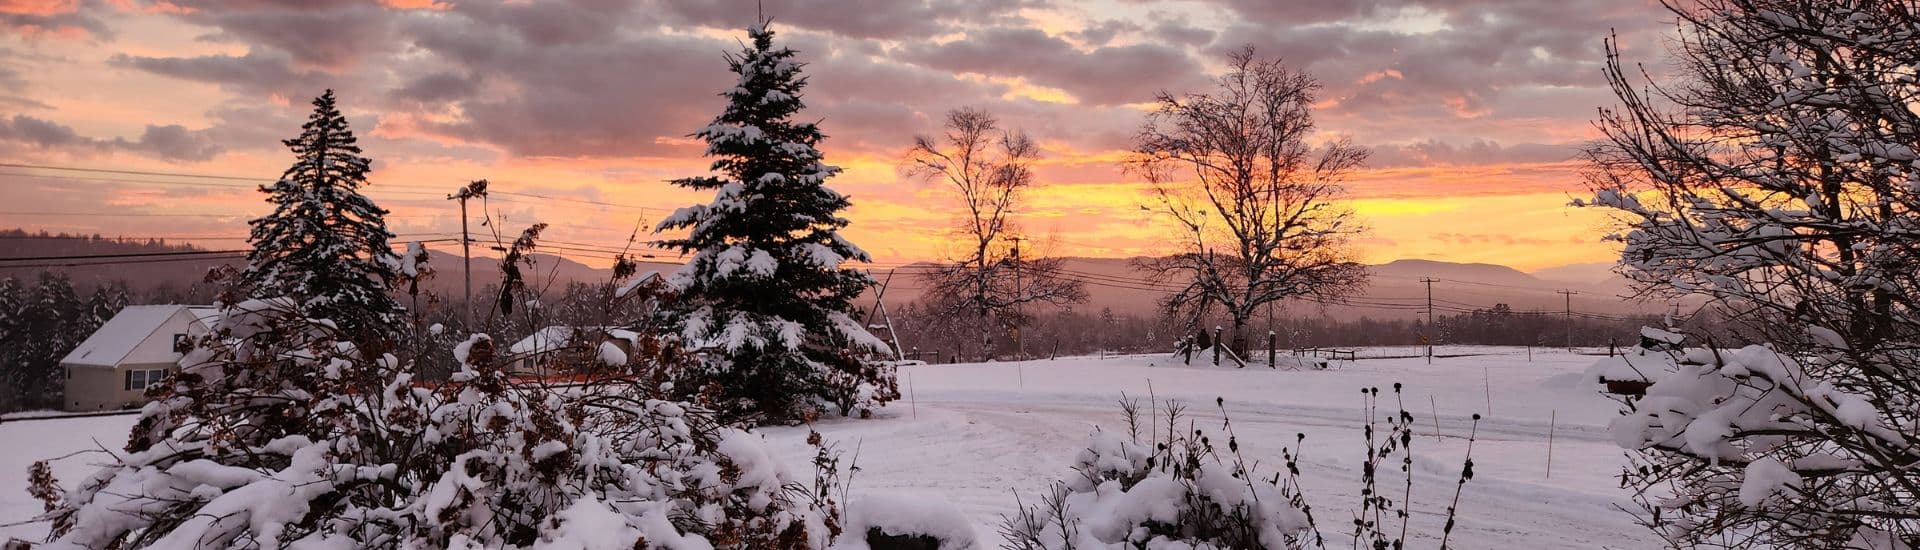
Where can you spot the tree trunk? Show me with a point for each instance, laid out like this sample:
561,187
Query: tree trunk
1239,341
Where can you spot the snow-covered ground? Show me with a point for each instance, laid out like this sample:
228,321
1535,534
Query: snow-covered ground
978,434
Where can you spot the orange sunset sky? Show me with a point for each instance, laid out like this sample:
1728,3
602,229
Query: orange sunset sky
1474,109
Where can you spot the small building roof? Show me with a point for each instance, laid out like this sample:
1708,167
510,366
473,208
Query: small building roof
554,337
118,337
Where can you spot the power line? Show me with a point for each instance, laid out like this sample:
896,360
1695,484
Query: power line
120,262
146,255
574,200
125,255
141,239
130,172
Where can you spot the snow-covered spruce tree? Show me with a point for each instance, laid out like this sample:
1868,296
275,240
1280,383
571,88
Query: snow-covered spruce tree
325,244
1775,174
765,295
271,436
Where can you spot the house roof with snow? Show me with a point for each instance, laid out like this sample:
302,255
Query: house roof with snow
120,337
556,337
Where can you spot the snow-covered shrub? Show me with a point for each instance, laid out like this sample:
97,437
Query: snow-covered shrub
277,433
912,517
1183,492
1739,447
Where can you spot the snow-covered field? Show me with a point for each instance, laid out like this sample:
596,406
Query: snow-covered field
978,434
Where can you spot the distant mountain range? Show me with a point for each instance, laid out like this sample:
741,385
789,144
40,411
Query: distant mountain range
1395,290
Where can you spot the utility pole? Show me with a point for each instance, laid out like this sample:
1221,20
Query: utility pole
1569,295
478,188
880,306
1429,332
1019,304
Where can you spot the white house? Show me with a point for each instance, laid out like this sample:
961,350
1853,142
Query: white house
532,355
139,346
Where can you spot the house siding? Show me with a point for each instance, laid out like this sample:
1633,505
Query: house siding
104,389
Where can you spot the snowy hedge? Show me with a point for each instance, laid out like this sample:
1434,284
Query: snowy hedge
1181,492
279,434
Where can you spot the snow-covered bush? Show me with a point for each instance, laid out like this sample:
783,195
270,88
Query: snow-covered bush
1772,172
903,516
278,433
1183,492
1739,447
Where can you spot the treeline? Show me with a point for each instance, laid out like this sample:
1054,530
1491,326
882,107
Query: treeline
925,333
1499,325
40,322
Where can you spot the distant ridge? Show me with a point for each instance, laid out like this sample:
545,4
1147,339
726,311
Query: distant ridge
1394,287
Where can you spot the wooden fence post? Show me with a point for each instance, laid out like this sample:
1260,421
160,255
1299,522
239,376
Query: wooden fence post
1216,346
1272,356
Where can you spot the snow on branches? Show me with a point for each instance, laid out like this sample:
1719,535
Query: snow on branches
1775,176
278,433
325,243
765,295
1182,491
1759,446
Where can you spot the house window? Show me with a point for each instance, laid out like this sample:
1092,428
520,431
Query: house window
139,379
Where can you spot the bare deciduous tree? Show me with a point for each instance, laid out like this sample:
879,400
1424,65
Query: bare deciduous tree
1254,201
989,168
1774,173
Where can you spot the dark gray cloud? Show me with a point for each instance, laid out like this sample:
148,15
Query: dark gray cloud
1433,152
171,142
866,19
26,19
258,73
40,133
1406,56
311,35
1178,31
617,96
1100,33
608,78
1102,76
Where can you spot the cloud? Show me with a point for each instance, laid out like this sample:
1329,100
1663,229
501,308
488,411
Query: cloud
1448,60
318,34
170,142
259,73
39,133
1436,82
607,98
64,18
1433,152
1102,76
863,19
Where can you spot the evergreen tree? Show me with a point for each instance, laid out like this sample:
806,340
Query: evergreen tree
41,325
325,243
765,295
